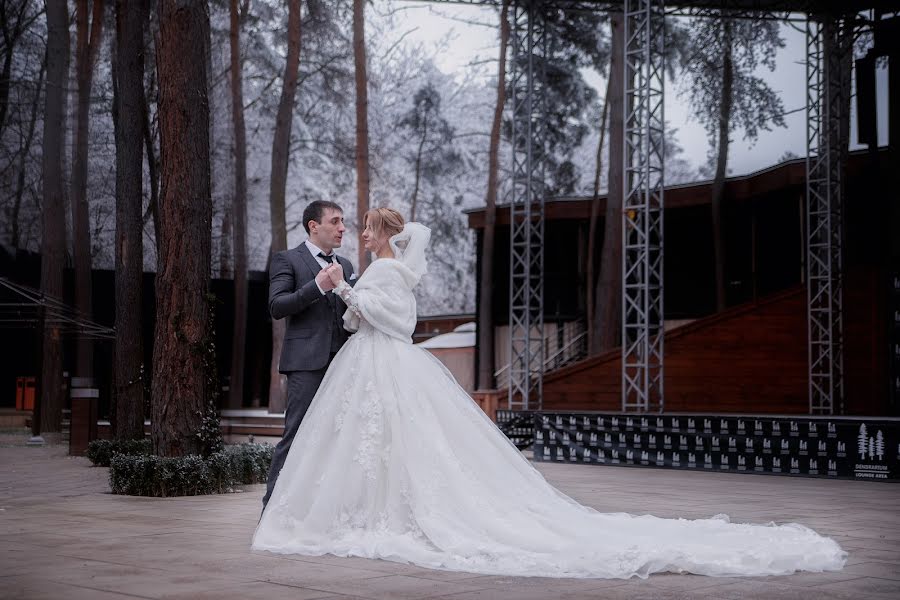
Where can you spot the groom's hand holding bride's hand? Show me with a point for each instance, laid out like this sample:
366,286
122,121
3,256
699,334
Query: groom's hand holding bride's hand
335,273
324,279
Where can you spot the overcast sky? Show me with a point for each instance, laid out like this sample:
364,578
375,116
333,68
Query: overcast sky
433,24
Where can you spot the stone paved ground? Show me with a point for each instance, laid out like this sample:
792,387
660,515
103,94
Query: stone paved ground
62,535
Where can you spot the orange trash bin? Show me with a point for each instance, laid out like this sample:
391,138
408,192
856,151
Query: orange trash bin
25,393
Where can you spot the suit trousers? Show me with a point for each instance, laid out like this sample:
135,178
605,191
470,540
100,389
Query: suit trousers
302,387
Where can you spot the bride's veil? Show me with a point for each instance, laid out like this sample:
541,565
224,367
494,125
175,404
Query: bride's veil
409,247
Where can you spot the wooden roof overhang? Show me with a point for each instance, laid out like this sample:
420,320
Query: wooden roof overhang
737,189
736,8
783,176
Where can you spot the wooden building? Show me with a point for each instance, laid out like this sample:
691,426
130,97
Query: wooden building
753,356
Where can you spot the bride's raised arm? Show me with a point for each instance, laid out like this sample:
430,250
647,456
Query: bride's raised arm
350,298
383,297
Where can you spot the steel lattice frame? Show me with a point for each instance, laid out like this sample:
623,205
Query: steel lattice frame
526,296
642,274
642,208
824,211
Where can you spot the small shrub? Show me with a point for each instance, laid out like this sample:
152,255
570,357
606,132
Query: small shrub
221,476
133,475
148,475
100,452
210,432
250,462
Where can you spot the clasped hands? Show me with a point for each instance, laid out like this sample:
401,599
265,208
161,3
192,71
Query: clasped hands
329,277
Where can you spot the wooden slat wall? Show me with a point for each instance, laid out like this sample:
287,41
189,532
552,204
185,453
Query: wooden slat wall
751,359
866,347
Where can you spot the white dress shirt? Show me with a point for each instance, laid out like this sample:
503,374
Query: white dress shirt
315,250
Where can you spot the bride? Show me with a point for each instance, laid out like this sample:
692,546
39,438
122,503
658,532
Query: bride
395,461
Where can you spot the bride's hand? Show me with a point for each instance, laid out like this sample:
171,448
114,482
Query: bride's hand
336,273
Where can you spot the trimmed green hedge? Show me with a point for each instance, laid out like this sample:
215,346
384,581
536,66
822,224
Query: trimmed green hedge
100,452
221,472
249,462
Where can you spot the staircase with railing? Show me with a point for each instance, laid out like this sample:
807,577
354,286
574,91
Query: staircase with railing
569,345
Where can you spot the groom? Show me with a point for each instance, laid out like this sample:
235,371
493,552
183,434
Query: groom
300,290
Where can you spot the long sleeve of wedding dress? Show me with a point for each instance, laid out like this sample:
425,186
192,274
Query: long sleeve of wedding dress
395,461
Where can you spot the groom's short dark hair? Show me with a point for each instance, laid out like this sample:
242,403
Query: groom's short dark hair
316,210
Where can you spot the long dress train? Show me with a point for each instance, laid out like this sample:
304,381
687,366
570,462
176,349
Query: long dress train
395,461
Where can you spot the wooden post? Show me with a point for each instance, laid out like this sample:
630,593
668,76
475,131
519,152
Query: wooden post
489,401
36,438
83,422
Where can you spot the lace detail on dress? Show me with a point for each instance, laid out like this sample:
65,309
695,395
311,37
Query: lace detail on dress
347,396
345,291
371,430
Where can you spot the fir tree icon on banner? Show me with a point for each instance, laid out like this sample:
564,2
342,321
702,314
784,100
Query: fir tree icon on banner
870,446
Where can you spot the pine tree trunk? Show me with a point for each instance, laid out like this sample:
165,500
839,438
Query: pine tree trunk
10,27
53,233
152,159
239,213
486,285
88,39
415,194
718,186
278,183
225,236
608,299
219,189
23,159
129,355
362,125
9,40
4,85
185,216
592,228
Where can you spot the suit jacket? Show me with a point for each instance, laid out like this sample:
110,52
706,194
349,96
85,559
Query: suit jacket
293,294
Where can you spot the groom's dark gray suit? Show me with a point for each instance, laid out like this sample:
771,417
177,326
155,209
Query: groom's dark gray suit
313,335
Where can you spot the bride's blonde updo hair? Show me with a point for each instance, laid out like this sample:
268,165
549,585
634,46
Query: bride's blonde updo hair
384,221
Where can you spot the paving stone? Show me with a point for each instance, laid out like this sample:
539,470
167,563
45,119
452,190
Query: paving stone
863,587
49,590
759,589
397,587
62,535
257,589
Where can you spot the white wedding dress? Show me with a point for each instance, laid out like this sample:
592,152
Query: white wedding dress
395,461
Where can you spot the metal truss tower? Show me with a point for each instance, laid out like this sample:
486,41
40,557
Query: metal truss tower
526,296
828,42
642,208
